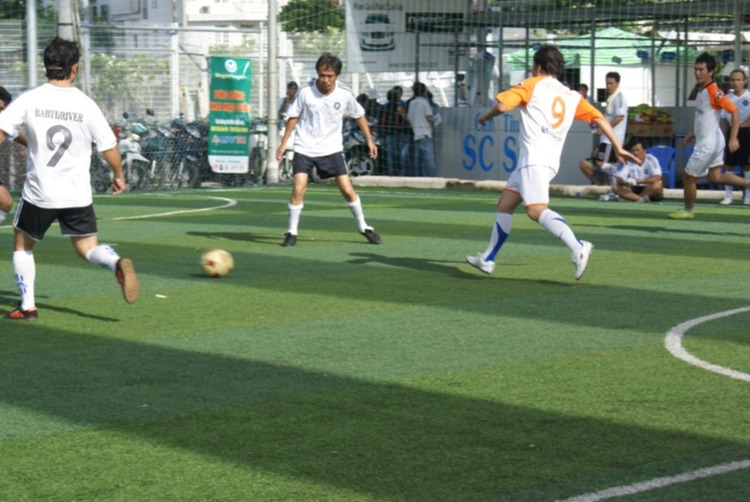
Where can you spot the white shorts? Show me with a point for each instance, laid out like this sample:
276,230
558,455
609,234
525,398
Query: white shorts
705,157
531,183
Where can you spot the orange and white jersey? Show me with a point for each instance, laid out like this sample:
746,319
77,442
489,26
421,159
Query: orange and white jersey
547,112
709,104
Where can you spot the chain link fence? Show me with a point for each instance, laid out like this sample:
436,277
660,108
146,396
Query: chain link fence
164,69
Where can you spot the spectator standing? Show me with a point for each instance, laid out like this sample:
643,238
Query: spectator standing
61,123
420,117
601,166
286,101
394,127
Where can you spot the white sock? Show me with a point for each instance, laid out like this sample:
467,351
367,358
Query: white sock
25,271
729,192
3,215
556,225
294,214
500,232
356,209
104,256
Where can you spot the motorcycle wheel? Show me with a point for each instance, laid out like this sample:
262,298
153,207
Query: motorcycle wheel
359,164
185,175
136,174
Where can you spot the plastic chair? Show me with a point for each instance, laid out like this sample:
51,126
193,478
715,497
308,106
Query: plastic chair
667,157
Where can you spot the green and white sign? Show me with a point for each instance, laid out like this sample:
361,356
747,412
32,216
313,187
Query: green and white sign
229,114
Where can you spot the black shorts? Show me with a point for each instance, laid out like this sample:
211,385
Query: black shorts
605,151
34,221
328,166
740,156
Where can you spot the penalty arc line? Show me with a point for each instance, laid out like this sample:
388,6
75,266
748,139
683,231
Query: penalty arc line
673,343
229,203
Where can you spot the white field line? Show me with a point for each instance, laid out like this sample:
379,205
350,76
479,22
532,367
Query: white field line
620,491
673,343
229,203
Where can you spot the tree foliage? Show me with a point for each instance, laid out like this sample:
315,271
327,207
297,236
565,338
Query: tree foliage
311,16
16,9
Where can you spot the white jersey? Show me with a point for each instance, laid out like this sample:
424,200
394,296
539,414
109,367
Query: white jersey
419,110
743,106
650,167
61,123
547,112
709,103
321,118
619,107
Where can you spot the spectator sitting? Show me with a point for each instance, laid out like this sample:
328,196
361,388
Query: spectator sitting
639,183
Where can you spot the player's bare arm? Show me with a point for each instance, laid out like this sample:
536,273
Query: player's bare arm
291,123
113,158
365,128
733,144
493,112
622,154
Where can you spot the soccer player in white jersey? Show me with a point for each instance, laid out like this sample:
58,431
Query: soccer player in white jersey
547,110
740,157
318,114
6,200
708,155
61,123
639,183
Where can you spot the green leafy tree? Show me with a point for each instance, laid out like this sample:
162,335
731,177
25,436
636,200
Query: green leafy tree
16,9
310,16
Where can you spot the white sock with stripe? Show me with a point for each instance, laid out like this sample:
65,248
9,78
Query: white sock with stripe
104,256
24,269
557,226
500,232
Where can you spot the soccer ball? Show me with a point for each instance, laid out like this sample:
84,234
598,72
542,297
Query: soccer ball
217,262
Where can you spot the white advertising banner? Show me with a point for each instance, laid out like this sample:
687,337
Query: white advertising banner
403,35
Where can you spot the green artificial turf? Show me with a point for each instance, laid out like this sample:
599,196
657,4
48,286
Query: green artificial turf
339,370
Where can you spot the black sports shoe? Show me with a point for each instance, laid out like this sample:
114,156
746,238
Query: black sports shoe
22,315
371,235
289,239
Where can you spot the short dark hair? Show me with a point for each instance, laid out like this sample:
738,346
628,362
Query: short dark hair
550,60
59,57
635,140
708,60
613,75
291,83
328,60
418,88
5,96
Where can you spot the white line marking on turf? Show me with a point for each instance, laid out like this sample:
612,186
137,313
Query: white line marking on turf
673,343
620,491
229,203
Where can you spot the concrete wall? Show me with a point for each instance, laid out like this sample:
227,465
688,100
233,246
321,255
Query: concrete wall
464,150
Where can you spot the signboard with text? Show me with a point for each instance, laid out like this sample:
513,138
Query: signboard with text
402,35
229,114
